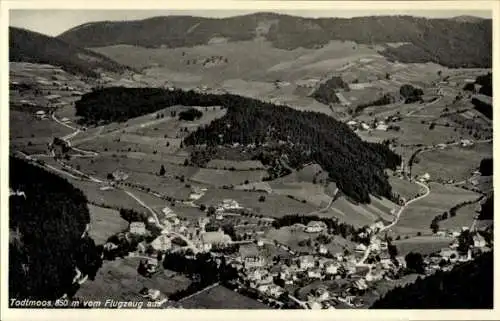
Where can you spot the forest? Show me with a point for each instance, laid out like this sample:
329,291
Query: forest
46,229
29,46
467,286
356,166
448,42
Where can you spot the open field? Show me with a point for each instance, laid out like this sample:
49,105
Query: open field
455,162
406,189
273,206
112,197
418,215
220,297
360,214
219,177
465,217
422,244
25,127
120,281
141,171
237,165
105,223
311,193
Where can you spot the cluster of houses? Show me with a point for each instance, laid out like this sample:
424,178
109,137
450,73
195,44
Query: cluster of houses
379,125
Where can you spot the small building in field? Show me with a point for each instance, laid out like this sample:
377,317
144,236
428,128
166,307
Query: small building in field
315,227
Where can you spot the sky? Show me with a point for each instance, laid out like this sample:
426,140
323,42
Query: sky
54,22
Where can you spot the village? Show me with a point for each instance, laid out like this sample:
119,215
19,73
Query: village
274,274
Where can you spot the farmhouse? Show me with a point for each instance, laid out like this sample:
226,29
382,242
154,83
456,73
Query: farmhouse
466,142
479,241
424,178
314,274
382,126
315,227
332,268
306,262
119,175
254,261
365,126
138,228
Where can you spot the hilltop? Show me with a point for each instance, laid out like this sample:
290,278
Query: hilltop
33,47
278,133
420,39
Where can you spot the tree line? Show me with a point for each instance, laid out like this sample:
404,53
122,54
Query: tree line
466,286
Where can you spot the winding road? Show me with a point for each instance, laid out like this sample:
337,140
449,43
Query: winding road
361,262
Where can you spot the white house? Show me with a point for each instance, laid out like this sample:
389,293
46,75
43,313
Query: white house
306,262
365,126
360,248
332,268
315,227
314,274
382,127
479,241
425,177
138,228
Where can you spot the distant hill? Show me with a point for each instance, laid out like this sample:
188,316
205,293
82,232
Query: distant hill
449,42
29,46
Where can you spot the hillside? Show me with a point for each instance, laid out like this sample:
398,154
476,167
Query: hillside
467,286
46,227
29,46
424,40
281,134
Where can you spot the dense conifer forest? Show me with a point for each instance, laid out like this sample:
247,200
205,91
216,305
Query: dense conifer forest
467,286
46,228
356,166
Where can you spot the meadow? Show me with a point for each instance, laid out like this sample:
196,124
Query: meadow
419,215
221,297
119,280
105,223
455,162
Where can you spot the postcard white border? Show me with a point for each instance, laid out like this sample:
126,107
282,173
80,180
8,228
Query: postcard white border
15,314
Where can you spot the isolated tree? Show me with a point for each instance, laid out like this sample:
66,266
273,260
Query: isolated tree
415,262
262,198
162,170
211,210
203,207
